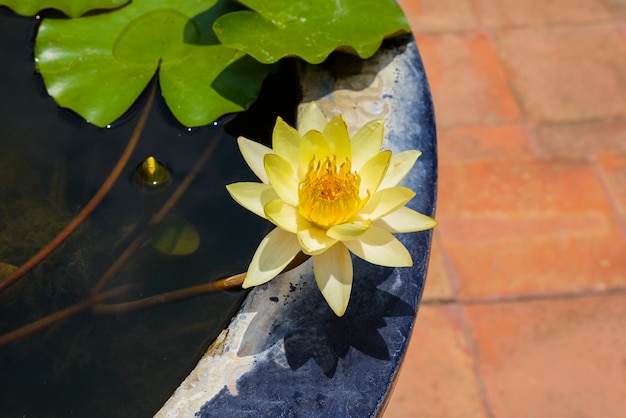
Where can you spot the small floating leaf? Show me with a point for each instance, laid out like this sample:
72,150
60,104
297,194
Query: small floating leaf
72,8
98,65
152,174
310,29
175,236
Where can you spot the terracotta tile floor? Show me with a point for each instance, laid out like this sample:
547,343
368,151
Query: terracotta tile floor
524,312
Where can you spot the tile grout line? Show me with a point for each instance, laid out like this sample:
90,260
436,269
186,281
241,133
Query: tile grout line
459,312
477,9
621,222
491,38
529,129
455,285
526,298
455,281
613,10
451,273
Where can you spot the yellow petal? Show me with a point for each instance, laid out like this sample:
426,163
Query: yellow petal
348,231
380,247
274,253
336,132
333,274
254,154
286,142
312,119
399,166
367,142
373,172
405,220
313,146
285,216
252,196
314,240
386,201
282,178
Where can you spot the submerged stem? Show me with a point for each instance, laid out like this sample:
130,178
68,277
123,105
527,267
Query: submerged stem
229,283
91,205
157,217
60,315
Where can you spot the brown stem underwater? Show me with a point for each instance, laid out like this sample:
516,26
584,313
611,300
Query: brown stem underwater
229,283
60,315
157,217
91,205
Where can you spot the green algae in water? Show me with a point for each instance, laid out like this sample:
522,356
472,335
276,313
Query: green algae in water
51,164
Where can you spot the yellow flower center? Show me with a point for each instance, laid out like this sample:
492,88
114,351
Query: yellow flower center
329,195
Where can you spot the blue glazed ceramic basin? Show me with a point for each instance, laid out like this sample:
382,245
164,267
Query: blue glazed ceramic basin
286,354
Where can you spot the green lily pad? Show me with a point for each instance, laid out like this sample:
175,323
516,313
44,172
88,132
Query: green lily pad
72,8
98,65
175,236
274,29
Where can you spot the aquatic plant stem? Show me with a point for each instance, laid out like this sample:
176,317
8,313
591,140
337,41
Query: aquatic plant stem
62,314
91,205
230,283
157,217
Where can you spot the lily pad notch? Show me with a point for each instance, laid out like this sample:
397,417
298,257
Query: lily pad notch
211,55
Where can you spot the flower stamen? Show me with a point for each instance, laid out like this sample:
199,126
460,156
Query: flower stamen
329,194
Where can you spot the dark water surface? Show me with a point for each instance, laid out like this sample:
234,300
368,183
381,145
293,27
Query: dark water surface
51,164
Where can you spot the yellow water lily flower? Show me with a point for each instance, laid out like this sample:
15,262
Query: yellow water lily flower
329,195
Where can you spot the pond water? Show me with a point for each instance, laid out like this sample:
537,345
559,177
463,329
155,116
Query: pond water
51,164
